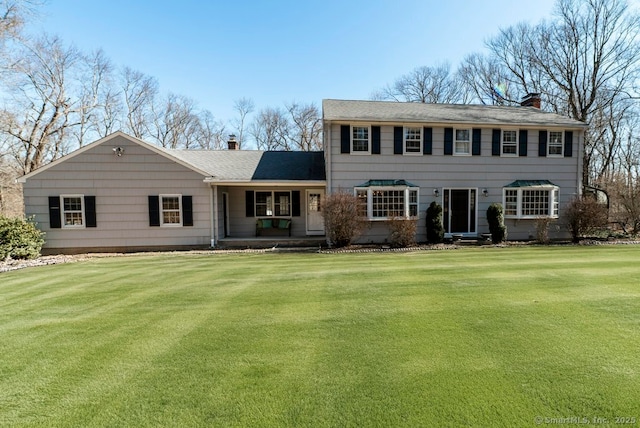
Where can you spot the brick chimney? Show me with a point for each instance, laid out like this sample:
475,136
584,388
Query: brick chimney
232,144
532,99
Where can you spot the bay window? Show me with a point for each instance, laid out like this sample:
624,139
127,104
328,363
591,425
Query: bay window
385,202
534,199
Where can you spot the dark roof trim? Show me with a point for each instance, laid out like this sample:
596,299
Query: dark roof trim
531,183
387,183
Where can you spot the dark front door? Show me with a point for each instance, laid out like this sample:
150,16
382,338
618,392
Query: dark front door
460,210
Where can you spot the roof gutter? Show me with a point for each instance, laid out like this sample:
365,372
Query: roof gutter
263,183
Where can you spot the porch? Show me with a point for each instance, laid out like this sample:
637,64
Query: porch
272,241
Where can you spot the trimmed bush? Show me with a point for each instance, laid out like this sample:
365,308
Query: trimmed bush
342,219
19,239
435,229
403,232
495,217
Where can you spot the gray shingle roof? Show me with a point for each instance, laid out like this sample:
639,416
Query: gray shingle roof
389,111
245,165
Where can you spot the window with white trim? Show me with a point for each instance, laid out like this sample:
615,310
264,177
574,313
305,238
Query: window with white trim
362,195
555,144
509,142
360,139
531,202
73,215
170,210
272,203
462,142
413,140
384,203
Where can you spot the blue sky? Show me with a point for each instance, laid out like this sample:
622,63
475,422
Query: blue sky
276,52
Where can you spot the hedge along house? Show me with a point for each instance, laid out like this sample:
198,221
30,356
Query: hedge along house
399,157
123,194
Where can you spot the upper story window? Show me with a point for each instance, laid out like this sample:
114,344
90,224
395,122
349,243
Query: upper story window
556,143
72,211
360,139
462,142
509,142
170,210
413,140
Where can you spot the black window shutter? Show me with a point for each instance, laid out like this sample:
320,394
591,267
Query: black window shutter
90,211
568,144
154,210
477,142
427,145
295,203
187,211
375,140
55,221
397,140
345,140
495,142
542,143
249,204
522,141
448,141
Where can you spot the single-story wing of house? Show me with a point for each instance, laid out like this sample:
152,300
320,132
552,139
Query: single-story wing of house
123,194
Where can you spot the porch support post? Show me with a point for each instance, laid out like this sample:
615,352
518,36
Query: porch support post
214,215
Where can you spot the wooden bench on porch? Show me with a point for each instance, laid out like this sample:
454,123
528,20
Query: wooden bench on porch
273,224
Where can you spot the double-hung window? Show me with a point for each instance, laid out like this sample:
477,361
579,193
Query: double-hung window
534,201
361,139
272,203
170,210
462,142
556,143
509,142
72,211
387,202
413,140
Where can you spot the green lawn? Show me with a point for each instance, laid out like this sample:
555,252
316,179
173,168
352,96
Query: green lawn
477,337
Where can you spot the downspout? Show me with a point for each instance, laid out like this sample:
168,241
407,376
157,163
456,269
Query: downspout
580,171
327,154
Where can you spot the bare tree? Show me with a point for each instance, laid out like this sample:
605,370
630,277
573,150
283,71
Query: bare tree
484,80
424,85
39,115
271,129
210,134
244,107
306,127
140,92
13,14
173,121
96,103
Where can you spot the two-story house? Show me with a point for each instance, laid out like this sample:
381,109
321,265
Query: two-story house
399,157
